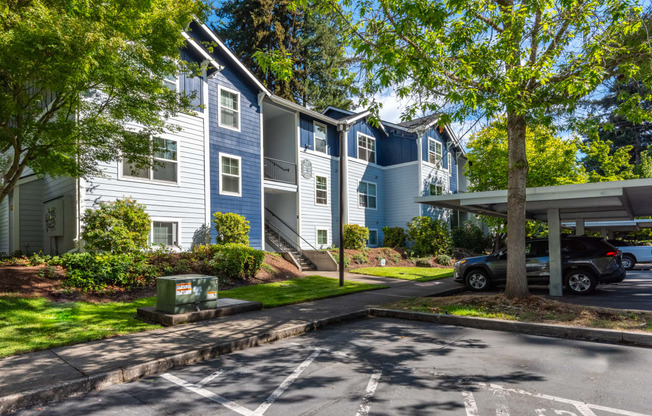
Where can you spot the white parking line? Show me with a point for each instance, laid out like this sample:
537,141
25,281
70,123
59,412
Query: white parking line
371,389
286,383
469,404
210,378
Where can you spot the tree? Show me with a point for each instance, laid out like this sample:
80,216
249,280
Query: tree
294,47
120,227
72,74
529,60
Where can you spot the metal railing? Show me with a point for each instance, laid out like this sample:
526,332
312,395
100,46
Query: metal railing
280,171
289,241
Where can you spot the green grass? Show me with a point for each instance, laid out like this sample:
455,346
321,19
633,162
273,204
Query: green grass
29,324
421,274
296,290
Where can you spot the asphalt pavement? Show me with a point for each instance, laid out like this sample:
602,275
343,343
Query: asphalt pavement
382,366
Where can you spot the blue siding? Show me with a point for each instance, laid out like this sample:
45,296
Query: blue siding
307,129
453,172
189,85
363,127
245,144
399,148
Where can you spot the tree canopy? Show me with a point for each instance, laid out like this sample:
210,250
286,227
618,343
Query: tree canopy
527,60
74,75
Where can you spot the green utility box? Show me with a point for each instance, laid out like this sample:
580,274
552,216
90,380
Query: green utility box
186,293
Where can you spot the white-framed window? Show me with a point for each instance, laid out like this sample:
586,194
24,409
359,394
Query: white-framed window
165,167
322,236
228,108
321,190
373,238
434,151
436,189
320,137
165,233
171,81
230,175
367,195
366,148
450,161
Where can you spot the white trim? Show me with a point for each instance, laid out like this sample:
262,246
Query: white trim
261,120
328,236
400,165
168,220
297,197
230,156
226,50
281,186
318,154
14,208
282,102
375,196
327,197
207,153
330,107
315,123
27,179
202,52
377,235
221,88
150,180
357,147
420,170
441,155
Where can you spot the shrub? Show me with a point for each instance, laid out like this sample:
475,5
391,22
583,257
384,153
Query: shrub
423,262
347,260
470,237
38,259
96,271
355,236
394,237
118,227
444,260
235,261
231,228
429,237
359,258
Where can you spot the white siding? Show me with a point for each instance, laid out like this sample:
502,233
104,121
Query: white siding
4,226
402,186
314,216
184,201
31,217
430,174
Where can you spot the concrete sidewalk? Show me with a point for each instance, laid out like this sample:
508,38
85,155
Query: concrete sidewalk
50,374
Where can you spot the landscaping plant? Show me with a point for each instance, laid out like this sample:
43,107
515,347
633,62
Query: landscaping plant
394,237
470,237
429,237
119,227
231,228
355,236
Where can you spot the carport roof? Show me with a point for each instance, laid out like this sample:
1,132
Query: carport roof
633,225
611,201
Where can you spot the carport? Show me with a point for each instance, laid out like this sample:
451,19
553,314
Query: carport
602,201
606,228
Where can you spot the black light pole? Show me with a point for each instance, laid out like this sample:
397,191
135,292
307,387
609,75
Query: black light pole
342,130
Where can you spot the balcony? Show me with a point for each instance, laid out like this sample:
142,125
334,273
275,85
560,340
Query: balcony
280,171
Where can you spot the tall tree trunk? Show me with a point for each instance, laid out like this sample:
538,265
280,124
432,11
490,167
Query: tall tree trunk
516,185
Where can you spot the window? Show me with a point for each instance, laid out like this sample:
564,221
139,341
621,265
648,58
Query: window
373,238
434,151
321,190
229,109
230,175
320,137
436,189
171,81
367,195
165,167
450,161
366,148
322,237
165,233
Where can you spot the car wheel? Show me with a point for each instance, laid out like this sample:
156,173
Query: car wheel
581,282
477,280
628,262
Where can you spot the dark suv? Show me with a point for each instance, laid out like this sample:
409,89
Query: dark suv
586,262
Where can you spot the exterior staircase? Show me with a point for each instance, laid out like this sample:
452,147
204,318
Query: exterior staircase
281,243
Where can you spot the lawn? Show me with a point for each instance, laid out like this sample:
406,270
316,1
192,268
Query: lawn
296,290
532,309
30,324
420,274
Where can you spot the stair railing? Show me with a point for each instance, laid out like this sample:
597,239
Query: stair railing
290,241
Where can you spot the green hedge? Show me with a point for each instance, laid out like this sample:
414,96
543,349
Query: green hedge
394,237
355,236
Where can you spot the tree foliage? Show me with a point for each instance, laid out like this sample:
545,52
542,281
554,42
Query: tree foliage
231,228
429,237
73,74
529,60
120,226
294,47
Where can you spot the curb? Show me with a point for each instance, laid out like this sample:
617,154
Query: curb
579,333
58,391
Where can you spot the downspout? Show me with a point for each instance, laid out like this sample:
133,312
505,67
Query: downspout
343,212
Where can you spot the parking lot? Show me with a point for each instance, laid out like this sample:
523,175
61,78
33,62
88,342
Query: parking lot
392,367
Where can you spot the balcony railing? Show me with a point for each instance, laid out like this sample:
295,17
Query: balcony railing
280,171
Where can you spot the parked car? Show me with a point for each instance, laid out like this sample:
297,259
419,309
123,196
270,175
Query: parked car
632,254
586,262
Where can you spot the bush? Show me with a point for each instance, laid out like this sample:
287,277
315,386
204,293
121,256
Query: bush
96,271
355,236
394,237
117,227
429,237
235,261
231,228
347,261
359,258
470,237
423,262
444,260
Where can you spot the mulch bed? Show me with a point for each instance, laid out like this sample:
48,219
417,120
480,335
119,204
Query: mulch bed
394,257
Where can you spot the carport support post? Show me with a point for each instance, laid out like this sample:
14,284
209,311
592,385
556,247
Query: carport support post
579,226
554,251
